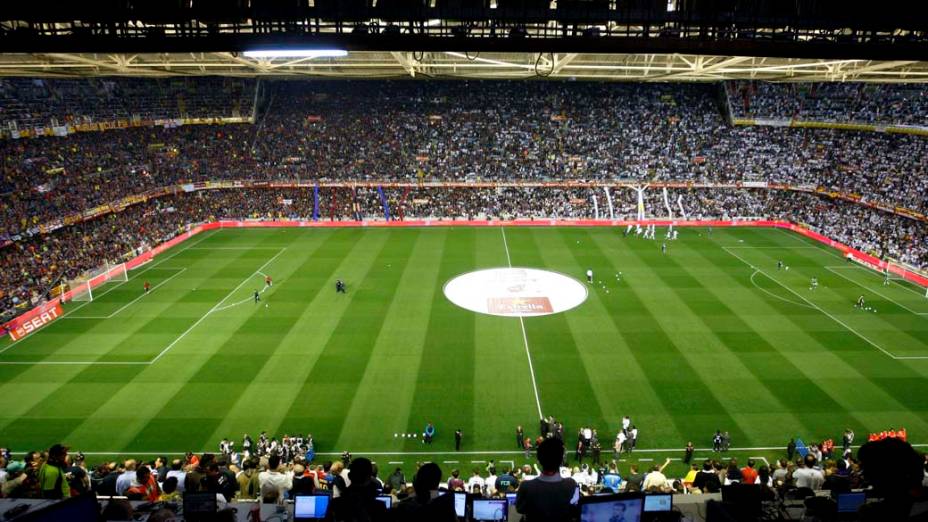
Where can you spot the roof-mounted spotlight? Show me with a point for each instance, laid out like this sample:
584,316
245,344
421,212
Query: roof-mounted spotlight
296,53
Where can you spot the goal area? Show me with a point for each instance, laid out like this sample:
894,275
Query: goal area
82,289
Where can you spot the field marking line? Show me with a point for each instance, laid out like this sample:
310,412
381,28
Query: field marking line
488,452
243,301
213,309
236,248
85,363
110,316
830,250
772,247
449,462
206,235
893,280
766,462
395,462
771,294
528,353
896,282
835,319
833,271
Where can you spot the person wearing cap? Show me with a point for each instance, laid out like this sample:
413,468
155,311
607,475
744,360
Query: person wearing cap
16,480
78,479
52,480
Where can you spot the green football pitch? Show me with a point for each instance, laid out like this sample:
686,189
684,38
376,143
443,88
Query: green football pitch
710,335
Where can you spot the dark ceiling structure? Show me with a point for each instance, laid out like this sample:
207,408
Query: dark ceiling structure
824,29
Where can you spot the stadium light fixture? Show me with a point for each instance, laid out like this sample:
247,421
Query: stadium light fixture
297,53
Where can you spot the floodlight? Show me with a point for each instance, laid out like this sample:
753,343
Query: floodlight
297,53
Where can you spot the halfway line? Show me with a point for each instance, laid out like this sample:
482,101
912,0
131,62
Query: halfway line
528,354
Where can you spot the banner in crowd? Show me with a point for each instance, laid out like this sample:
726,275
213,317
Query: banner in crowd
864,127
100,126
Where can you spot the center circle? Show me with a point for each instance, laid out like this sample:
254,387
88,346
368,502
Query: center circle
515,292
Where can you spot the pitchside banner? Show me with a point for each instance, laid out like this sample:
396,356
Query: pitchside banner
29,323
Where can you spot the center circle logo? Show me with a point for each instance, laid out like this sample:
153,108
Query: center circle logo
515,292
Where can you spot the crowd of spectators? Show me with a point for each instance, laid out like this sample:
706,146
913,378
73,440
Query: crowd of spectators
426,131
447,131
841,102
27,103
889,470
30,268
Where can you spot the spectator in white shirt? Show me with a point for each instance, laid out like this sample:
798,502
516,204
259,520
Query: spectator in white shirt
806,476
491,482
178,472
275,478
125,480
475,483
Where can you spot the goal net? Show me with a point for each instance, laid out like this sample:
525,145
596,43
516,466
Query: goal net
83,289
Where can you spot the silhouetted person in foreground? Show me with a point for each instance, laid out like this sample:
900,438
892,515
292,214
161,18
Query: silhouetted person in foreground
358,503
548,496
895,470
429,503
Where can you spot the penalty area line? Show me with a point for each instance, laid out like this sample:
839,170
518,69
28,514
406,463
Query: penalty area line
206,235
835,319
214,308
868,289
528,353
771,294
130,303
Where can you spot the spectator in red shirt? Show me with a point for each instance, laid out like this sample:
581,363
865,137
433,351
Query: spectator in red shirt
748,473
145,486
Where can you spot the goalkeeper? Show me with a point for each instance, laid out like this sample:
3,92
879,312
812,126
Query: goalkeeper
861,304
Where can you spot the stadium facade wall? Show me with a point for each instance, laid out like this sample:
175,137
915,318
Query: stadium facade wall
16,325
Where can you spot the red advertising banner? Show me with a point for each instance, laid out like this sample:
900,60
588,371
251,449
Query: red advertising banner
23,325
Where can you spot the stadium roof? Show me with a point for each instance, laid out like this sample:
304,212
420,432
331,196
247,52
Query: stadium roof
462,65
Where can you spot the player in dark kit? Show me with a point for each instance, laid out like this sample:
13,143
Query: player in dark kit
340,286
257,296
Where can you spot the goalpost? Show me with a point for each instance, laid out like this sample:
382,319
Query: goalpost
82,289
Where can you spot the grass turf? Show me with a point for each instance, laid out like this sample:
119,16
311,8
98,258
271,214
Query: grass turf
710,336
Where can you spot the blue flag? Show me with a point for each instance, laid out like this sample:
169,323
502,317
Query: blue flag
315,202
383,200
801,448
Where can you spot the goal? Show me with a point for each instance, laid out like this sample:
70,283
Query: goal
82,289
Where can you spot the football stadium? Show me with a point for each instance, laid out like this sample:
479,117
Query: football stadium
463,260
